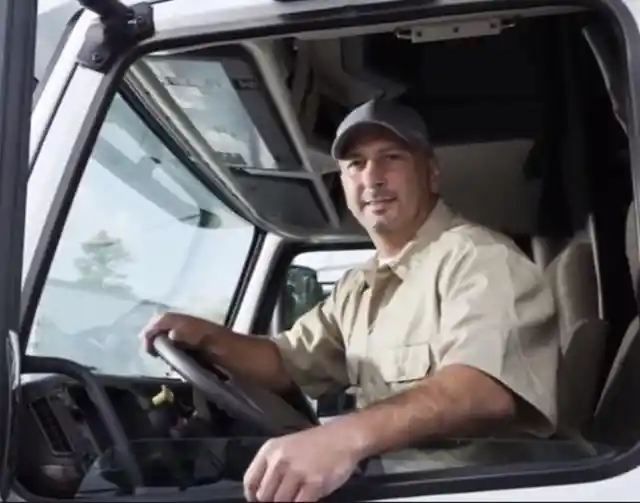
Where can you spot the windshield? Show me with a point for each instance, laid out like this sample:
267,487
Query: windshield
144,235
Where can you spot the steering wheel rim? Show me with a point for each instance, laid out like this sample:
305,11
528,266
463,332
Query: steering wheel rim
237,397
123,450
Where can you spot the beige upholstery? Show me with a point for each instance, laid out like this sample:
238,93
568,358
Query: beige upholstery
572,275
618,411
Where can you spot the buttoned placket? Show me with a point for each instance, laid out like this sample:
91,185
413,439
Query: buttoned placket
378,293
376,282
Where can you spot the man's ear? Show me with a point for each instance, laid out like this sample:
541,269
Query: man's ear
434,175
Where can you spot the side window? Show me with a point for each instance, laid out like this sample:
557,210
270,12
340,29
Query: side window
309,280
144,235
312,276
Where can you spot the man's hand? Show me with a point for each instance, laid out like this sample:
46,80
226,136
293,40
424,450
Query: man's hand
304,466
181,327
235,352
456,401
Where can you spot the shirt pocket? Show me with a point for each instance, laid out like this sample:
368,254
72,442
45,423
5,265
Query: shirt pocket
405,364
392,369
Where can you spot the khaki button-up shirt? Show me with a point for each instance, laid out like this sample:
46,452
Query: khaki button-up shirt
457,294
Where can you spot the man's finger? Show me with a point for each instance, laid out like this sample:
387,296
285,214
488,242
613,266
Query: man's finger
156,325
309,492
270,483
153,325
289,487
253,477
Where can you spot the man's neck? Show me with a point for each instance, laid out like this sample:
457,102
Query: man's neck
391,245
388,248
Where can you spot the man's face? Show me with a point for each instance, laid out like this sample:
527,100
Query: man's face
388,186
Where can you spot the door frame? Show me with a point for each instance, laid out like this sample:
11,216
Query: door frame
18,20
76,149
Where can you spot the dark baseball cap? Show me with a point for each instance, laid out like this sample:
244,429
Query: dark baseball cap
401,120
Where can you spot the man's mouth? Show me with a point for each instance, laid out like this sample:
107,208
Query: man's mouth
379,202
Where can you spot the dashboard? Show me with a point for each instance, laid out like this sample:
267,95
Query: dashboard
66,434
86,435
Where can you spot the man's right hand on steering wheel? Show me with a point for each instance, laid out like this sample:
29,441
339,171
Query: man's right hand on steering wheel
224,347
182,328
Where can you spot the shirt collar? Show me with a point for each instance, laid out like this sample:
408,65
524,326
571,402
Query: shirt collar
439,220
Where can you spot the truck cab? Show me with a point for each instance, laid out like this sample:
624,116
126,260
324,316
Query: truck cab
175,157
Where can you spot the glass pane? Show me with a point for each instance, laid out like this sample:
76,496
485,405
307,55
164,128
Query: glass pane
177,464
312,276
214,467
143,235
330,266
224,102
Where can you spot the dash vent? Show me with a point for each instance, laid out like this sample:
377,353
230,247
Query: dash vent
51,427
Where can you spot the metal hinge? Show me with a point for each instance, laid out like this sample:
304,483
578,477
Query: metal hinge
450,30
118,28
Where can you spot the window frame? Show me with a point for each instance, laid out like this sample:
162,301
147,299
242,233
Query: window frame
60,44
270,300
443,481
270,308
451,481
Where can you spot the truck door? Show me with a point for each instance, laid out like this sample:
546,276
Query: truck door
17,44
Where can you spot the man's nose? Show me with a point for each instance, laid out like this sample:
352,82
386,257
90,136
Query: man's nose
373,175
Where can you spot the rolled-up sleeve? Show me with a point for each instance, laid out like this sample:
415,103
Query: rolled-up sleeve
313,349
498,315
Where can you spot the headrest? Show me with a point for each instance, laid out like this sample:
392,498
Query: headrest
632,243
486,182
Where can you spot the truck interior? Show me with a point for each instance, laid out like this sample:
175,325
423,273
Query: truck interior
527,108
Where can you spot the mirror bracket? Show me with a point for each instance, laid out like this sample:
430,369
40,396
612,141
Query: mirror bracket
118,28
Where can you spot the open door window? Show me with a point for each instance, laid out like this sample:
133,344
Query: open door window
17,39
202,138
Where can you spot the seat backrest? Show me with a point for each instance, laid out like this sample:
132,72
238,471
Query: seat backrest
572,275
617,417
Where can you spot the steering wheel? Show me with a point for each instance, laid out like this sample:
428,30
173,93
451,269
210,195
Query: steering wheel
239,398
123,454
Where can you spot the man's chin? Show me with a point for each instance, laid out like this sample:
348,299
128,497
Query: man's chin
381,225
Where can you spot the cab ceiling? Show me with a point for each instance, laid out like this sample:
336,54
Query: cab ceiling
489,101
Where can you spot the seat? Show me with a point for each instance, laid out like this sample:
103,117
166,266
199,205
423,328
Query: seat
617,416
509,186
572,275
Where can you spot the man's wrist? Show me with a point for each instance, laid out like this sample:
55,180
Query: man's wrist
359,436
211,339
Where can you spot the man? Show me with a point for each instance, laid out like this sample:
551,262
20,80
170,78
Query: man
449,331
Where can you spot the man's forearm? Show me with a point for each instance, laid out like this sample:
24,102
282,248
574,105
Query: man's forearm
457,401
254,357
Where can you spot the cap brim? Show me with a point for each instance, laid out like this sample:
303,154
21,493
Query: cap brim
343,140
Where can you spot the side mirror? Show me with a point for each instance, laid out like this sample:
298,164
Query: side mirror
302,292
